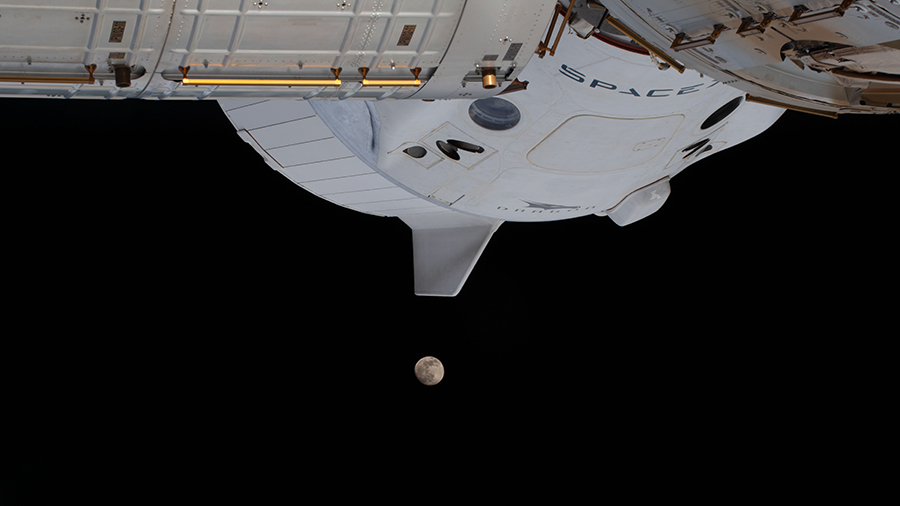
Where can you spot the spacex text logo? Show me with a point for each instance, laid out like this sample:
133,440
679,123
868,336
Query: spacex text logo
655,93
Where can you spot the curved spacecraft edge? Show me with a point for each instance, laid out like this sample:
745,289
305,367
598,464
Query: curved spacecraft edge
457,116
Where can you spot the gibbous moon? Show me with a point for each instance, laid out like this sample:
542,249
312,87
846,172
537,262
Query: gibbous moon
429,370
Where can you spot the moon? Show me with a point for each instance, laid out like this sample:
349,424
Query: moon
429,370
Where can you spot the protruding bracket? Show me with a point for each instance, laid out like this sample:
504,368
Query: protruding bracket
680,45
807,110
514,86
803,14
618,25
336,72
416,71
544,46
362,70
749,26
91,68
184,71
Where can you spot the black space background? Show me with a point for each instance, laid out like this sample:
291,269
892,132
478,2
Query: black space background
183,321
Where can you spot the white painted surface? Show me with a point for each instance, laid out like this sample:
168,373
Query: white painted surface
597,123
233,39
295,142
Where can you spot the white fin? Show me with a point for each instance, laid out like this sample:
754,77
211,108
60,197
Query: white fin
446,246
